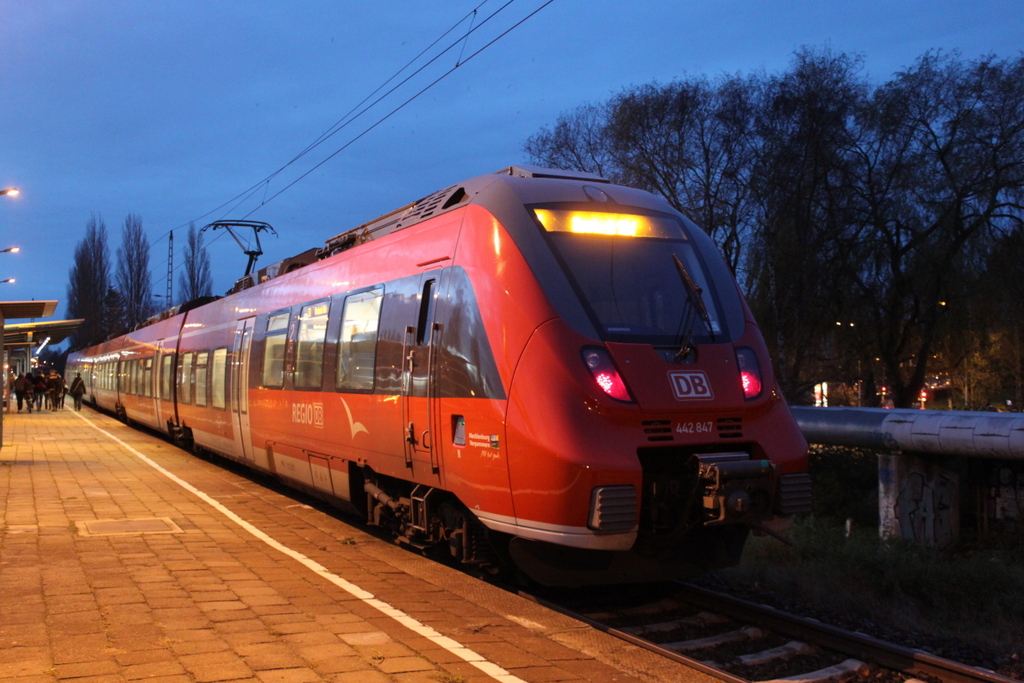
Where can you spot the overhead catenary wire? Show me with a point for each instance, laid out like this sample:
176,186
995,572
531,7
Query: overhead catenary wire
342,122
338,128
330,131
399,107
352,115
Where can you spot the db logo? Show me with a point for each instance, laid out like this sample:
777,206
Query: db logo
690,384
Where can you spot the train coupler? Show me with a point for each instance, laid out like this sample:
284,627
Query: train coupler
735,488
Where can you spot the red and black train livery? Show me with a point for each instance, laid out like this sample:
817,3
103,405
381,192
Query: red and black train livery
532,368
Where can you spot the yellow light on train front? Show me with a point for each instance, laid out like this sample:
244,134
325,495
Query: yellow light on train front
604,224
608,224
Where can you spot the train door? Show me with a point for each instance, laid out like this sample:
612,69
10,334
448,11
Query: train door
239,388
419,398
168,415
155,388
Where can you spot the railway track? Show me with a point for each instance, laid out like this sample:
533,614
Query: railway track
738,641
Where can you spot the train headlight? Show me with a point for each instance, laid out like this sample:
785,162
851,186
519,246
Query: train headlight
750,372
605,373
626,225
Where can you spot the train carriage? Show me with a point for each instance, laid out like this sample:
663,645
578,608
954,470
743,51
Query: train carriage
532,368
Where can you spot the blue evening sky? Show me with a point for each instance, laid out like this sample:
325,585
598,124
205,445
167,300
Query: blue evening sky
169,109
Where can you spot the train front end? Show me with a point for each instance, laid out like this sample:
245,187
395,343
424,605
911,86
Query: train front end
646,434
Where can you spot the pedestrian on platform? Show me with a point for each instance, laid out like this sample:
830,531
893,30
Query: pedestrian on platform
9,395
54,390
39,390
77,389
23,388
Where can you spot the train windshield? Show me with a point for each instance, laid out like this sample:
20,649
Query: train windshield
631,272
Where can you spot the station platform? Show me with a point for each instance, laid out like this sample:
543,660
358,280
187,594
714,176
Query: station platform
124,558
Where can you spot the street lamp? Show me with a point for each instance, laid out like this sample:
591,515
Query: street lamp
12,191
12,250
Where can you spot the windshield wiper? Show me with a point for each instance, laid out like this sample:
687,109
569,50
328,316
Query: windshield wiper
694,301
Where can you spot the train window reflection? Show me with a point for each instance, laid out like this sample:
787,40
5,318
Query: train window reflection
278,321
309,353
185,379
201,367
273,350
166,376
357,345
218,378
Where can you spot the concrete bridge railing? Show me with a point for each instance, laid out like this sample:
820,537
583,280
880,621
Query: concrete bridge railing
936,468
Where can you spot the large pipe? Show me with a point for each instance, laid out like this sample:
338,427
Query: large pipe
946,432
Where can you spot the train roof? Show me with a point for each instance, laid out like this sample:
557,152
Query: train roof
454,196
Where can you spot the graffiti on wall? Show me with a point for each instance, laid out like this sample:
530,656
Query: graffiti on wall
1006,493
918,500
924,507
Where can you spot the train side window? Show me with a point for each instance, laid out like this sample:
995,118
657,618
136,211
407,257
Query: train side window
147,377
185,379
273,349
166,376
218,378
357,344
426,313
202,359
309,355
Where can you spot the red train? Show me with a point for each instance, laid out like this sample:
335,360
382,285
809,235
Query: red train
532,369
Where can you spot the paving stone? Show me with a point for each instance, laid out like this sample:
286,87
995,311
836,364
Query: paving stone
83,669
396,665
152,670
296,675
361,677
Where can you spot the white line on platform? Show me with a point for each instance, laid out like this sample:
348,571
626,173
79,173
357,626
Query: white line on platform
456,648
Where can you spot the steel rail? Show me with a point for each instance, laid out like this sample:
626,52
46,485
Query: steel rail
862,646
640,642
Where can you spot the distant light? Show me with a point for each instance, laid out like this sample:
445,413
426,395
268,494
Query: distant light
12,191
10,279
12,250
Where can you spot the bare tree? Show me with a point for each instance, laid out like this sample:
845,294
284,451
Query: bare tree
88,282
578,142
801,243
133,279
196,279
942,177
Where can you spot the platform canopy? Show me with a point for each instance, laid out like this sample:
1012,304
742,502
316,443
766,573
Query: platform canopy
13,310
27,335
